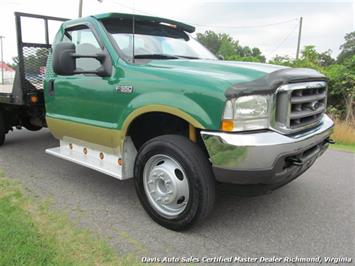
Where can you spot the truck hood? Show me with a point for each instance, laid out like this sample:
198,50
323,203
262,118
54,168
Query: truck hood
239,78
231,72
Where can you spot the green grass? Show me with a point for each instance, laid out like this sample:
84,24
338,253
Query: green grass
31,234
343,147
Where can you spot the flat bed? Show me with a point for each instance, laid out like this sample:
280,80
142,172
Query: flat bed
22,102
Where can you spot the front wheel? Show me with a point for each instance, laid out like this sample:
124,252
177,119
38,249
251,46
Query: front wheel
174,181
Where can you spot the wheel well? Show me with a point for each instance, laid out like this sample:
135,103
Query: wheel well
153,124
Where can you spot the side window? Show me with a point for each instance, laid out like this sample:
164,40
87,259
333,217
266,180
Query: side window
85,43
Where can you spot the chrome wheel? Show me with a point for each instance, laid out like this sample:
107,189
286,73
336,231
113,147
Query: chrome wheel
166,185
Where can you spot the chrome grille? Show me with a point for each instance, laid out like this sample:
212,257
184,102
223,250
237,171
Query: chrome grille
300,105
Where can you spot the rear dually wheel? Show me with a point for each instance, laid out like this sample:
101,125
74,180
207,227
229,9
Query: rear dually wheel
2,128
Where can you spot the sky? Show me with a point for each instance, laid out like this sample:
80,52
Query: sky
271,26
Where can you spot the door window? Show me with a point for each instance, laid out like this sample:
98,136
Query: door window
85,44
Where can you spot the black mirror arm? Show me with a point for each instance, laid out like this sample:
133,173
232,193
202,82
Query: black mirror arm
102,71
84,72
99,56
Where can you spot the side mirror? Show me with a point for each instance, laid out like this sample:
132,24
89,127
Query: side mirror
64,61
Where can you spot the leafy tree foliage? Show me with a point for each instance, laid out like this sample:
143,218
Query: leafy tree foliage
348,48
211,40
342,88
224,45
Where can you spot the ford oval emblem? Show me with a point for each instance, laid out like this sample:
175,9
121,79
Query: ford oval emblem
314,105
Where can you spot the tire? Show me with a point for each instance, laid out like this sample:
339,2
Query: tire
174,169
2,129
27,124
32,127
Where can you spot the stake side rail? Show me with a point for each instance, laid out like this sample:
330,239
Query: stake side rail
32,57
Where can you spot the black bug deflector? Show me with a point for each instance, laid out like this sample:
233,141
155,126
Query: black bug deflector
269,83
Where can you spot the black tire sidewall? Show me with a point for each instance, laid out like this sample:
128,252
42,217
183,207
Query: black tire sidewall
32,127
193,175
2,128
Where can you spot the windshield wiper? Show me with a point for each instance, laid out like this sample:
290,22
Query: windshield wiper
163,56
187,57
155,56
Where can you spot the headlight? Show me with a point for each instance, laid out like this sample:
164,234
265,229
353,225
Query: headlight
246,113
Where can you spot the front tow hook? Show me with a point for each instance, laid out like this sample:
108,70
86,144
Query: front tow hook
295,161
330,141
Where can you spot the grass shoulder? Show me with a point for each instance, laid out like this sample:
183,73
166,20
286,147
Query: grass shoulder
31,234
343,147
344,135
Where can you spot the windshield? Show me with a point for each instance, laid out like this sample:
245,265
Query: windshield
159,45
155,41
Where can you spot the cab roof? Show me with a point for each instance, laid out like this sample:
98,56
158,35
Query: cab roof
172,23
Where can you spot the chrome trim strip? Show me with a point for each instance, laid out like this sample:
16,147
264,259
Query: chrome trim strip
99,160
106,166
302,85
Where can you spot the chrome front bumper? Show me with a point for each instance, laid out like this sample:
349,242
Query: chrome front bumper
265,157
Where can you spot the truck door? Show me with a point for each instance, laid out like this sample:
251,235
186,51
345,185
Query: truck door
85,99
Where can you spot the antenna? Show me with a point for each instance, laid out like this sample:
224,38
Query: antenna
299,38
133,33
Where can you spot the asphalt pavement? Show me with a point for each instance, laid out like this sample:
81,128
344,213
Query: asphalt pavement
312,216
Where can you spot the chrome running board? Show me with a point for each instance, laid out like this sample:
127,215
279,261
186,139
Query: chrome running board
108,164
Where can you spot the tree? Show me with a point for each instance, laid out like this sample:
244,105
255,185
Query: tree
223,44
342,86
348,48
227,45
210,39
325,59
281,60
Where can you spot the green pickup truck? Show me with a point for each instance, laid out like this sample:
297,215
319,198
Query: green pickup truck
136,96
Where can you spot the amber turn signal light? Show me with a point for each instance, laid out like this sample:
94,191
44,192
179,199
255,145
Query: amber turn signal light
227,125
34,99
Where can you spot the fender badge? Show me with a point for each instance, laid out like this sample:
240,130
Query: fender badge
124,88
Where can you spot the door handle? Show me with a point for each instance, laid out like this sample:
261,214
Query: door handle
51,91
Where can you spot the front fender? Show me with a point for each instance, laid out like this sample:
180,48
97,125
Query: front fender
178,105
